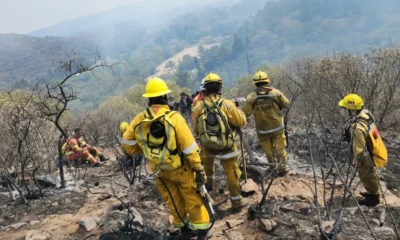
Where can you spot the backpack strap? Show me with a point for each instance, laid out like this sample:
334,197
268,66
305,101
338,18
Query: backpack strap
205,104
218,107
150,116
220,102
175,151
368,121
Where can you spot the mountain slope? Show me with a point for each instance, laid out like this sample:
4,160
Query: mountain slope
31,58
286,28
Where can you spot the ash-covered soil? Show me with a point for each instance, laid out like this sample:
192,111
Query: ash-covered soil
290,210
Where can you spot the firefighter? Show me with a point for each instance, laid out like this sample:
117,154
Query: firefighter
185,105
76,148
198,98
357,136
165,139
266,103
220,144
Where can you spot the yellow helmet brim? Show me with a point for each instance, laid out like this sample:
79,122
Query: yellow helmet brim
151,95
342,104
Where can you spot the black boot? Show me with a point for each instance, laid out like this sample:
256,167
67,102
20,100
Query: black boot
209,187
98,164
370,200
186,233
364,194
103,158
204,234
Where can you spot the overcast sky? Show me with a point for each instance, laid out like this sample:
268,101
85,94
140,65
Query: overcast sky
23,16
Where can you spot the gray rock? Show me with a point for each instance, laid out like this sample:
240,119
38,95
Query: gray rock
250,187
137,217
352,210
79,190
17,226
327,226
88,223
80,182
148,204
364,209
299,207
54,204
34,222
266,225
384,232
303,153
48,181
104,196
376,221
37,235
261,159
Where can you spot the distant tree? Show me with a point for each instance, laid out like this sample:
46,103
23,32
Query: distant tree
22,84
188,63
170,64
182,78
57,96
238,46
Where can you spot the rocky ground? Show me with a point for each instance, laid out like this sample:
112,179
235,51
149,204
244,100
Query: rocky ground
88,208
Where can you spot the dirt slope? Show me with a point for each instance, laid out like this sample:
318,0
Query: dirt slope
60,212
191,51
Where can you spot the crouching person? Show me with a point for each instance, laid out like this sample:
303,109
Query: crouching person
77,149
167,142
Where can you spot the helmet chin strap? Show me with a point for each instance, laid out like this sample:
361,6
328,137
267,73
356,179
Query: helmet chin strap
353,113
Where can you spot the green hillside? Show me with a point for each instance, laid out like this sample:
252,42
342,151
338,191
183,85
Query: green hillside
249,34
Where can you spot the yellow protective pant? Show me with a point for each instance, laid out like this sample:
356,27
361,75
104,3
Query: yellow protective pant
84,155
368,176
274,146
98,153
232,172
181,184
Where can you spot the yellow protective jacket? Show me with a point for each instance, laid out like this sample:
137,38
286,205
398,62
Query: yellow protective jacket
132,142
358,132
72,146
83,143
266,104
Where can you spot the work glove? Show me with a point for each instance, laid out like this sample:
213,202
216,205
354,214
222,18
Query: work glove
237,104
346,135
200,176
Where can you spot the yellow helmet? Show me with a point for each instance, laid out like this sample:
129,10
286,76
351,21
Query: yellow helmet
123,126
212,77
260,77
156,87
352,102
